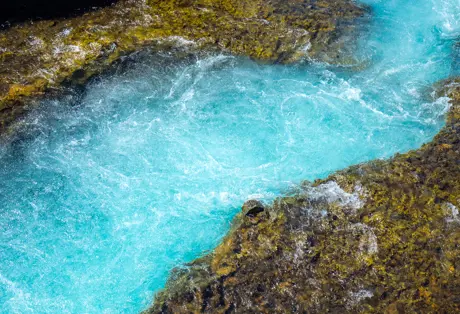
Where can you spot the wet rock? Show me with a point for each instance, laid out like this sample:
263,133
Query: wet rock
252,208
40,56
4,88
397,252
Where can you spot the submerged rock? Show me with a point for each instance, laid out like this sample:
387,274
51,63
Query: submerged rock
380,237
39,57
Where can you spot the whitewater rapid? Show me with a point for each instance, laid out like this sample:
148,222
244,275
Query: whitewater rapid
106,191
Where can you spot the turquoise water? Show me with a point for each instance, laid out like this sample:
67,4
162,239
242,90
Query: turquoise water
107,191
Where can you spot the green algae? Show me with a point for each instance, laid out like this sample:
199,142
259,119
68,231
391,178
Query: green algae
38,57
380,237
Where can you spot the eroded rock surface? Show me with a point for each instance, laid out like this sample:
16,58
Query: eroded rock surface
35,58
380,237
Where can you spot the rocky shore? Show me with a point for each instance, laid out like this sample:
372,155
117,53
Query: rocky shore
380,237
38,58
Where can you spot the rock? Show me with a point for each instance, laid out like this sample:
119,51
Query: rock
4,89
252,208
397,252
40,56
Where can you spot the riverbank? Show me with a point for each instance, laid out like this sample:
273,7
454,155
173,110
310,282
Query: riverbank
37,59
380,237
377,237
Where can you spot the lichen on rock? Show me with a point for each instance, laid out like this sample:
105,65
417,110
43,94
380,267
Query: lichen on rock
38,57
380,237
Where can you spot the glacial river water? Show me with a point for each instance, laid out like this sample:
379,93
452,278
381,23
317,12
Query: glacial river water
106,192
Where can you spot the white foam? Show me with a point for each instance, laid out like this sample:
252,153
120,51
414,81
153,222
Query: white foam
449,11
352,94
335,194
440,107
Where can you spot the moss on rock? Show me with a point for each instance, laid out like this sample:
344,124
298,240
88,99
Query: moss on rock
380,237
40,56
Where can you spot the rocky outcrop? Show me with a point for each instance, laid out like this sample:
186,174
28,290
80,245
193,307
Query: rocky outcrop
380,237
39,57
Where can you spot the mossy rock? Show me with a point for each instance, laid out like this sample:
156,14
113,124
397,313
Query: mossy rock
380,237
40,56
